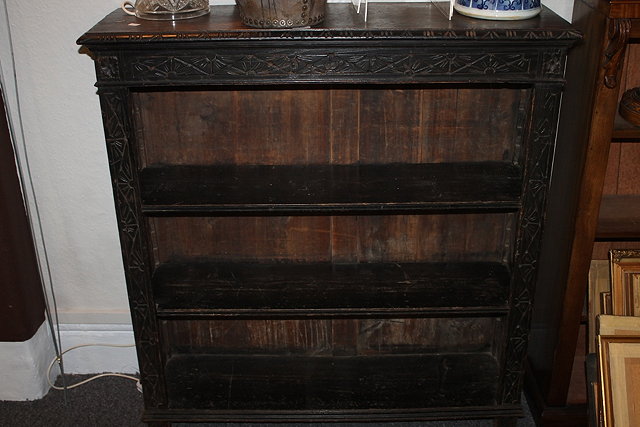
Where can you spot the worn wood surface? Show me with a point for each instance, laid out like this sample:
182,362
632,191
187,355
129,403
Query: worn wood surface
237,381
330,188
562,309
308,289
334,336
410,108
352,239
414,20
619,218
341,125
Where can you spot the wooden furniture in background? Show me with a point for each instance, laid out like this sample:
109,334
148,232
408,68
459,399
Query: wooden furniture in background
336,223
603,67
23,303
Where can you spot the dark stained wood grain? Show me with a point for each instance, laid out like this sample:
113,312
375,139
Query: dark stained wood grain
225,189
560,307
235,382
619,217
589,192
612,171
341,20
624,131
197,289
334,336
628,176
344,221
340,125
376,238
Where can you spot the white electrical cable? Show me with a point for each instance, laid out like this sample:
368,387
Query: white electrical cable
111,374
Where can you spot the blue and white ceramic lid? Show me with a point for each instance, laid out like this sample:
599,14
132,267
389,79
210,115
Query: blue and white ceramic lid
498,9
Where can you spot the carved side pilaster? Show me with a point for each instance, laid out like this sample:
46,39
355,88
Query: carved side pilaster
135,254
540,148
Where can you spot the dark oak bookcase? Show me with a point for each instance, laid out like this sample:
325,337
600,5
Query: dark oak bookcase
331,223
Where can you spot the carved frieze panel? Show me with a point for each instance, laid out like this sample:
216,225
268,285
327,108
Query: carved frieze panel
331,64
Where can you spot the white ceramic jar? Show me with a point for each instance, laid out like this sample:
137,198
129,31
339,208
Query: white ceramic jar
498,9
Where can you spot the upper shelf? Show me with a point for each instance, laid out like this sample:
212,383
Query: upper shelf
233,189
400,43
388,21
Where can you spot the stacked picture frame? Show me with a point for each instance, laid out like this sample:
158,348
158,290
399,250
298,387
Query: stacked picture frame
617,389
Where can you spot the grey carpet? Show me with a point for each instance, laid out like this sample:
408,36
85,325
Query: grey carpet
116,402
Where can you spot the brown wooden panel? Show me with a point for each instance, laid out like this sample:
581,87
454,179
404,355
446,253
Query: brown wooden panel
629,178
243,238
631,69
619,217
319,336
625,9
433,238
241,127
341,126
456,130
613,168
344,239
383,238
390,126
344,128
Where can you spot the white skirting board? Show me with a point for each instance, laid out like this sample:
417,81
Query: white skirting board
98,359
24,364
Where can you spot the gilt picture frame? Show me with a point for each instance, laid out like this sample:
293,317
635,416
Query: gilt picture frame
625,282
619,361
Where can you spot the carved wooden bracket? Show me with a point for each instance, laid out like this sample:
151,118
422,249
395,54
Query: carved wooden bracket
614,52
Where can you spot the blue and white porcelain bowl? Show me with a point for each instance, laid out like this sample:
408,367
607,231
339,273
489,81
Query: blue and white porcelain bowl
498,9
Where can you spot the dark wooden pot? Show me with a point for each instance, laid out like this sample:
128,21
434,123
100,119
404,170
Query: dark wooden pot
281,13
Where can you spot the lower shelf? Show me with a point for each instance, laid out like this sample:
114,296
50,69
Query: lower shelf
249,289
314,383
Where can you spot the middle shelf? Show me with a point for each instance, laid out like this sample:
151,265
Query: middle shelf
210,289
263,189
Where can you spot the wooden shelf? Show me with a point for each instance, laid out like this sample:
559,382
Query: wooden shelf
623,131
241,289
280,382
228,189
619,218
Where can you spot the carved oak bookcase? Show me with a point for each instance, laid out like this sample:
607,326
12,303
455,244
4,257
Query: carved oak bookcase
331,223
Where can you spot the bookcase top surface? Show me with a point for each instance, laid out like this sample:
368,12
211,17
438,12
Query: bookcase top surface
404,21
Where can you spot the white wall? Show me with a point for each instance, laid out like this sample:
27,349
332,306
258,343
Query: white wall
64,145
